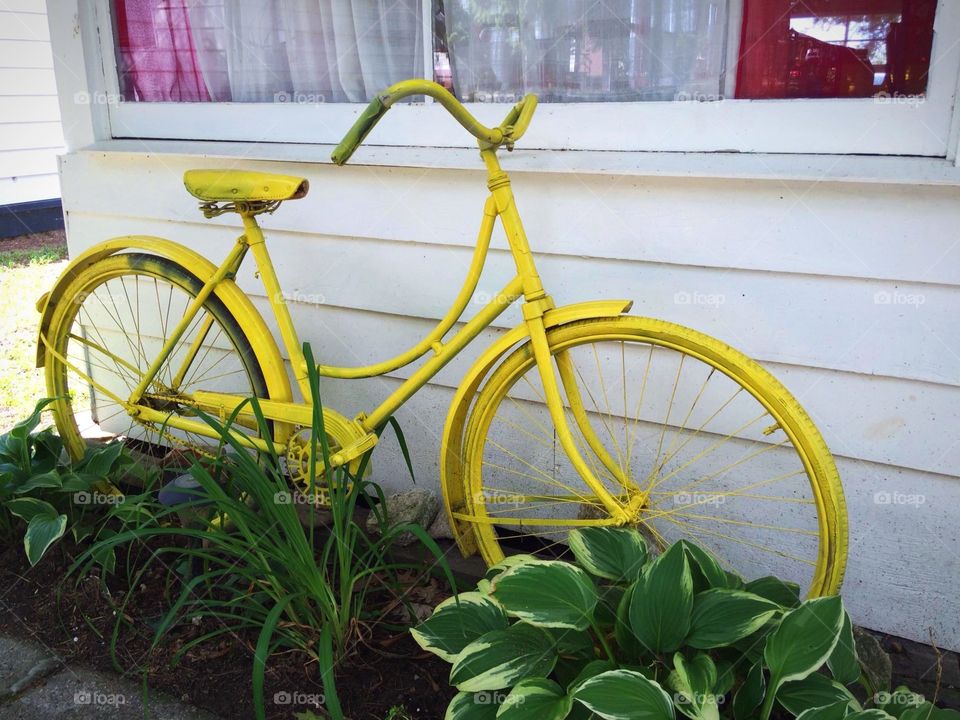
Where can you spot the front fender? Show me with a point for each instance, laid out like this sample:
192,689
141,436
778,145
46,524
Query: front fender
451,445
236,301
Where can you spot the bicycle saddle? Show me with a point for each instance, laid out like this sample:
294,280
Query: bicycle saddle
243,186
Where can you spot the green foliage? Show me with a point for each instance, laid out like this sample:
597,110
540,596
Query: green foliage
258,570
51,495
652,638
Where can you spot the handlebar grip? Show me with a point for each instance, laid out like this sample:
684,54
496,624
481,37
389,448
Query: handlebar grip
361,128
520,116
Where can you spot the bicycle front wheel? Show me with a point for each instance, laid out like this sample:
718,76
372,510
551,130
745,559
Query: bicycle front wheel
110,327
720,451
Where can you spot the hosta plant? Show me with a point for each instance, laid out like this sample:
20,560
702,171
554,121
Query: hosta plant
52,495
623,635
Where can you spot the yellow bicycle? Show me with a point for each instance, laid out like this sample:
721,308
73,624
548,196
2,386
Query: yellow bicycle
579,416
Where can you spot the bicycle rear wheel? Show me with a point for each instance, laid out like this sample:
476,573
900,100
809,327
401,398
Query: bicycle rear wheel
110,326
722,453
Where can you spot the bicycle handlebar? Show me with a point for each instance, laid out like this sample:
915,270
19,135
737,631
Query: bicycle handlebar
509,131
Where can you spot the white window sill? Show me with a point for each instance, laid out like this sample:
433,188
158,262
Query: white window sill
753,166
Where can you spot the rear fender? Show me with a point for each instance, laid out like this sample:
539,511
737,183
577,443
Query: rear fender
451,445
239,305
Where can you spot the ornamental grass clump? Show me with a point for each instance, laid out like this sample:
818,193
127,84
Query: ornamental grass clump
257,568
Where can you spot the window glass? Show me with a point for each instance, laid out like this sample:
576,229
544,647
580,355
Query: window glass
581,50
265,50
835,48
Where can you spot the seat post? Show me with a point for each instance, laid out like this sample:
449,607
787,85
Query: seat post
271,284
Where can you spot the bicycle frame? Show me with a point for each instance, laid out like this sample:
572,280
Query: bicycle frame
526,284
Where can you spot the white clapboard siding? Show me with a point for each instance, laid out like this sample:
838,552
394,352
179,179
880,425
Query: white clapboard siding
30,133
848,292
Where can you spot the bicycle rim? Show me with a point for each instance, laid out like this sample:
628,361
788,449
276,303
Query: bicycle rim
111,325
724,455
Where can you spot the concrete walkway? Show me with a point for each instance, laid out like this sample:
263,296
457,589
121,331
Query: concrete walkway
37,685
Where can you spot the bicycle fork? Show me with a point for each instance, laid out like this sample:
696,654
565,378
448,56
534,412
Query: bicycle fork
537,302
620,513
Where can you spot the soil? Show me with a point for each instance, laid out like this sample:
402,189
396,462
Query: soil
53,239
76,620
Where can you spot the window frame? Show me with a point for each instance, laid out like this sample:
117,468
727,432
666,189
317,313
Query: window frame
790,126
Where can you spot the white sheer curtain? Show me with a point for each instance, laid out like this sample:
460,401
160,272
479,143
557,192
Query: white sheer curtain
305,50
583,50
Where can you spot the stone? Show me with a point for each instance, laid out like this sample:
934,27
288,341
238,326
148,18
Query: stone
410,506
440,528
876,662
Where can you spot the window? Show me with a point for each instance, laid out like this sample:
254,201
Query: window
670,74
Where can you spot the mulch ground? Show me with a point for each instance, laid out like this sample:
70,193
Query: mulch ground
77,620
52,239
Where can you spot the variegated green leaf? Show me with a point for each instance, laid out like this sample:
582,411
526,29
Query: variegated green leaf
721,617
616,554
834,711
816,690
750,693
926,711
547,593
785,594
473,706
624,695
843,662
661,602
501,658
42,532
693,683
508,562
706,570
803,641
454,625
535,699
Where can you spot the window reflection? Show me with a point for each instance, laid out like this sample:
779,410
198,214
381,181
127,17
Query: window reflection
835,48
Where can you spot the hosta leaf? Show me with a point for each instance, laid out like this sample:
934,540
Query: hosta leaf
896,703
572,643
28,507
508,562
625,695
662,601
803,641
813,691
591,669
705,568
721,617
616,554
750,693
50,479
472,706
786,594
926,711
500,658
835,711
547,593
453,626
42,532
843,662
693,682
609,597
869,715
535,699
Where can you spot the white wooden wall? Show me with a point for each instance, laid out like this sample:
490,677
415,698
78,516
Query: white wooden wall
848,292
30,133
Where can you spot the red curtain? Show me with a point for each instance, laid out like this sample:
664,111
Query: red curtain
157,58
